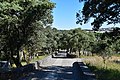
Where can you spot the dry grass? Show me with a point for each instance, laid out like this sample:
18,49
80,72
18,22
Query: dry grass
108,71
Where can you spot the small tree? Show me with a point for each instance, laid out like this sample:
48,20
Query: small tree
104,49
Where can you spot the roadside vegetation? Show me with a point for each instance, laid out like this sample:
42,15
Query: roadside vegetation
31,61
108,71
107,44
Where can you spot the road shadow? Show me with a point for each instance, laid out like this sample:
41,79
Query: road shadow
105,73
51,73
64,57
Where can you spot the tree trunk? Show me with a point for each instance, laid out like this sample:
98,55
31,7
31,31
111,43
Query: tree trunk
58,48
79,52
16,60
67,50
49,50
84,52
104,62
24,57
70,50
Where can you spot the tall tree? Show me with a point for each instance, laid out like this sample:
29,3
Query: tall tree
16,23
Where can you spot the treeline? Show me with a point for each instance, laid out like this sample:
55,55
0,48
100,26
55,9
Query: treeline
78,41
49,40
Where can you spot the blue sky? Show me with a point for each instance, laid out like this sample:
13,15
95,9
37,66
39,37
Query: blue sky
65,15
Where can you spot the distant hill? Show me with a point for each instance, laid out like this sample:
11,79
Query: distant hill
101,30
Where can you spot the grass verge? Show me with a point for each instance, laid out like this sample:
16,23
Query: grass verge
108,71
33,60
38,58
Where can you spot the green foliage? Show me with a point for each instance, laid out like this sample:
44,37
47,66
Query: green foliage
101,11
17,19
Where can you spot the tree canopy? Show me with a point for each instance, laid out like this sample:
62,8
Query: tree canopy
17,23
101,11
